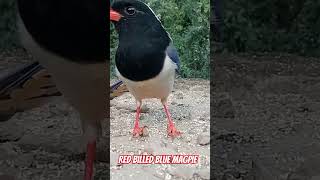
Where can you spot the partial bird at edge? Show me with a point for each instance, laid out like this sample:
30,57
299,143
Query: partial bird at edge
31,86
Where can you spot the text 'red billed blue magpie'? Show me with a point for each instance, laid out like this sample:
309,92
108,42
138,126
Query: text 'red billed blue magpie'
146,60
68,38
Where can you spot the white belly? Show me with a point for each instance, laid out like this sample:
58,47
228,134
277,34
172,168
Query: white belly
158,87
83,85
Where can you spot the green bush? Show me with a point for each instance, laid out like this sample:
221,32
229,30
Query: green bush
291,26
8,35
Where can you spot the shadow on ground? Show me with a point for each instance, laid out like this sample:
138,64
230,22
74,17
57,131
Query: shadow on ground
266,116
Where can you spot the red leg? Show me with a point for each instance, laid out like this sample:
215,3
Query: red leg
172,131
137,131
90,156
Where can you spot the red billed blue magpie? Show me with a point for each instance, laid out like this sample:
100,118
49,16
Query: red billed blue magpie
69,39
146,60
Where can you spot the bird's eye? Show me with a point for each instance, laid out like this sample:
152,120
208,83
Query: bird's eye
130,11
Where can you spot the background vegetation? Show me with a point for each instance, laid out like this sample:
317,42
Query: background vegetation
8,36
291,26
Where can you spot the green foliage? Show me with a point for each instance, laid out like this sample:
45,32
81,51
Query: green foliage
291,26
8,35
188,24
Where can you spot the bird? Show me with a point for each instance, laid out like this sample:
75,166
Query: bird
69,39
146,59
31,86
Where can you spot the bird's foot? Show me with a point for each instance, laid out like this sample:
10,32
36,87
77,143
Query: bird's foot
173,131
140,131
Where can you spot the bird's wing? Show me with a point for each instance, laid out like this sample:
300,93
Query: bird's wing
117,89
173,55
25,88
31,86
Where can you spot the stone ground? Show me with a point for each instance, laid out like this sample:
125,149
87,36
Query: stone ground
45,142
190,108
265,126
266,117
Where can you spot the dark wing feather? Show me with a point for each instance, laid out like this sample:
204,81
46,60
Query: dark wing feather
174,56
117,89
25,88
31,86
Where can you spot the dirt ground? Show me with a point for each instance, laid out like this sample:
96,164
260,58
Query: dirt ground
45,142
266,118
265,126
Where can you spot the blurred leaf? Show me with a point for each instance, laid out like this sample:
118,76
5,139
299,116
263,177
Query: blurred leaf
291,26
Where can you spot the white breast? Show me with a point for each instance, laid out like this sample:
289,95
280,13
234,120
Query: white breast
83,85
157,87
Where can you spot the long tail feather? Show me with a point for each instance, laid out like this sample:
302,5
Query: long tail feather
117,89
25,88
31,86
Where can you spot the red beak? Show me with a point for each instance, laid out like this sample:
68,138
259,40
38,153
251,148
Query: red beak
114,16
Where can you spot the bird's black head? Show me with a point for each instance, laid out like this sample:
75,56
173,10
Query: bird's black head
142,39
133,18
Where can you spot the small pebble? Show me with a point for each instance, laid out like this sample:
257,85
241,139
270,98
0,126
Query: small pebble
144,109
160,175
203,139
145,132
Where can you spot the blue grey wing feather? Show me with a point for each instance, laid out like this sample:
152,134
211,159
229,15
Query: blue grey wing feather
173,55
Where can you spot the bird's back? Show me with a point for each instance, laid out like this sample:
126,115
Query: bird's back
75,29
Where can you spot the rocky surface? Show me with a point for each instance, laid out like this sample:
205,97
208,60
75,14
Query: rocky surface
266,117
265,126
45,142
190,109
